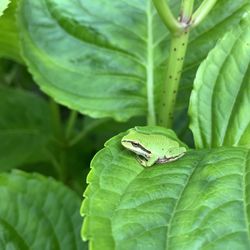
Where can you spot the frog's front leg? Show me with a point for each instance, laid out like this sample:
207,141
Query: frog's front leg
147,162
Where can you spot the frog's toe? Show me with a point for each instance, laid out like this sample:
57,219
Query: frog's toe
142,160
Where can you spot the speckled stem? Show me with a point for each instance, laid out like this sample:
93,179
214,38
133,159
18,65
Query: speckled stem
179,30
170,87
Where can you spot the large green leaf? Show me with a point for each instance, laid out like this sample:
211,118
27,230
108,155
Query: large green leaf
102,57
9,40
200,201
220,101
25,128
38,213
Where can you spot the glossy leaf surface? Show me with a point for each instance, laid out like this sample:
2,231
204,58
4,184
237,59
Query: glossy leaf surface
37,213
200,201
107,58
220,101
9,38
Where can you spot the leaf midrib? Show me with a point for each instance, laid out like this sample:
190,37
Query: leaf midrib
178,202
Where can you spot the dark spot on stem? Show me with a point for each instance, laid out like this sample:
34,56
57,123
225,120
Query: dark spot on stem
183,44
170,77
175,49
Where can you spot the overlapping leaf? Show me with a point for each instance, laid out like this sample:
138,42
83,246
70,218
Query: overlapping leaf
220,101
100,57
38,213
9,39
201,201
25,128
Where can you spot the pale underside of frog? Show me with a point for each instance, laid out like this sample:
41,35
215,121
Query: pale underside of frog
152,148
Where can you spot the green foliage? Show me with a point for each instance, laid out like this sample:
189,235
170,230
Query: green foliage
9,39
25,121
34,204
221,96
108,59
195,202
201,201
117,50
202,40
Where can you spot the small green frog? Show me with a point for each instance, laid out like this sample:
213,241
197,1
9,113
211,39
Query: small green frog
152,148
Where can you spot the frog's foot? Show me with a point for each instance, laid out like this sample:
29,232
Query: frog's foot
146,162
143,161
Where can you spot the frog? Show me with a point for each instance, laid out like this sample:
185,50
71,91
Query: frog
152,148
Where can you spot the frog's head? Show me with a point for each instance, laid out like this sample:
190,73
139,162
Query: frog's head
135,143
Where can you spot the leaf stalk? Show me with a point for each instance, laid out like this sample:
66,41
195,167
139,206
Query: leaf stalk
200,14
71,123
167,16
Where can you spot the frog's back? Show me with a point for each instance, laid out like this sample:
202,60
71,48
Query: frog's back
164,142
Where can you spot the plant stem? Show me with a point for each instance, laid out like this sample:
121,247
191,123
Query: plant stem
151,119
170,87
58,169
60,165
167,16
186,11
178,47
85,131
71,122
179,38
200,14
56,120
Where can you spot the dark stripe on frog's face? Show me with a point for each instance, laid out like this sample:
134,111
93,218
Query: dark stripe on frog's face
138,145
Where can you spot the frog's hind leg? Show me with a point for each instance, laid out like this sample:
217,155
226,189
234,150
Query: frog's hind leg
146,162
141,160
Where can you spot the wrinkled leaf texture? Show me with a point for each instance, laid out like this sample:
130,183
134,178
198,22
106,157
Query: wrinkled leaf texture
220,100
38,213
9,38
98,57
201,201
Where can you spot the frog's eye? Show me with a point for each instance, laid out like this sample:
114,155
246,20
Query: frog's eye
135,144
